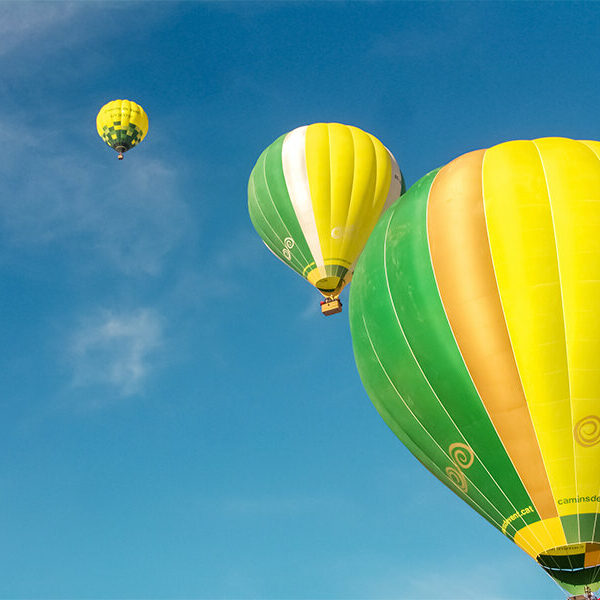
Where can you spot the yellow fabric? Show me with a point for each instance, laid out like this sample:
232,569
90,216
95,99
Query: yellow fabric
566,550
540,536
349,173
317,151
573,176
464,275
525,262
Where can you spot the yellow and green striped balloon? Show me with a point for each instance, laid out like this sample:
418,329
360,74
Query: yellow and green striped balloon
475,318
315,195
122,124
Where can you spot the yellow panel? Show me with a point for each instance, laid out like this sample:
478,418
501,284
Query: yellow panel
125,112
138,117
384,174
363,193
541,536
465,279
319,173
593,145
569,550
372,179
342,167
521,234
349,175
573,174
105,116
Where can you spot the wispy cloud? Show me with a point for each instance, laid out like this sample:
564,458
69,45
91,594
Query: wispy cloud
131,216
24,26
116,350
223,272
20,22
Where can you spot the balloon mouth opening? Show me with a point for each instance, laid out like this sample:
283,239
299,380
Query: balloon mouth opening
328,283
575,566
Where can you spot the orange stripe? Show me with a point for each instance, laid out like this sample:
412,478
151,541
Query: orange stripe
465,276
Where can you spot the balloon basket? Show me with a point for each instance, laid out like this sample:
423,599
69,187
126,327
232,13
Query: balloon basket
331,306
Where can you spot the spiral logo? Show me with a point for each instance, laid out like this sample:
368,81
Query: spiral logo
457,477
587,431
288,244
462,455
339,232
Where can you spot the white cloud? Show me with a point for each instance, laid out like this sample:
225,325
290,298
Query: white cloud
223,274
128,213
116,350
60,25
22,22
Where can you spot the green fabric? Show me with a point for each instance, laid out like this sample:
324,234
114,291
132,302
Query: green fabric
576,581
582,528
115,136
271,210
413,371
569,561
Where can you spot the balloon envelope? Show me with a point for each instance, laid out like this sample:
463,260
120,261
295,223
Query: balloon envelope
122,124
475,318
315,195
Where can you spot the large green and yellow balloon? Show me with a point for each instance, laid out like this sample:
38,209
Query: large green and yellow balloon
122,124
475,317
315,195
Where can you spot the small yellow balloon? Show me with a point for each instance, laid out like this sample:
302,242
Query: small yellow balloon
122,124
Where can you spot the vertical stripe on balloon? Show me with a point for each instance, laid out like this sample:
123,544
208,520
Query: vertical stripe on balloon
465,275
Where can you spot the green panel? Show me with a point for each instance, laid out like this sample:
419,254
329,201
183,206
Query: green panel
396,413
568,561
587,528
271,210
126,138
425,393
575,581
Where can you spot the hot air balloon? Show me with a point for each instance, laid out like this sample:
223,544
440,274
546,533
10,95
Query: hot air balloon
122,124
314,196
475,319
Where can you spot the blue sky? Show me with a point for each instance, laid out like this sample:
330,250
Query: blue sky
178,420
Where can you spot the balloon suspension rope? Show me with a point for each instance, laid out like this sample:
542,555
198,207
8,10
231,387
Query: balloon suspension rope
588,593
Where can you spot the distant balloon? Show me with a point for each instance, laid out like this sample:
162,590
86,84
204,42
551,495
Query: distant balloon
122,124
314,196
475,318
